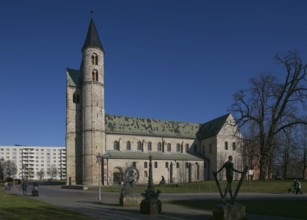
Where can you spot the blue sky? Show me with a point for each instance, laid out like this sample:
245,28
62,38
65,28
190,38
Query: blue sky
176,60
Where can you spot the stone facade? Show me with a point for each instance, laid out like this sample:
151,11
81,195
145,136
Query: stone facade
181,151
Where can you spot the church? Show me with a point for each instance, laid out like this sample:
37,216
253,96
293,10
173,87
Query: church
100,147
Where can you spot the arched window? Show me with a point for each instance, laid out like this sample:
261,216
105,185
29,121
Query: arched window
116,145
186,147
145,164
76,98
226,145
177,165
94,59
128,145
139,147
159,146
145,174
234,146
134,164
95,75
166,164
178,147
149,148
156,164
169,147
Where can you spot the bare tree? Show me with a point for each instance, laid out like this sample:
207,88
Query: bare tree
41,174
273,105
9,169
53,171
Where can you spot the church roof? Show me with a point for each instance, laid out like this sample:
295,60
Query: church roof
150,127
92,37
212,128
73,77
156,155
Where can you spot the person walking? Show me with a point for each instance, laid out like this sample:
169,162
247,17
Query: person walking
298,187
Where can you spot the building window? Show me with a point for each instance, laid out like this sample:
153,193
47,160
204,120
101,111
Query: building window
159,146
197,171
95,75
128,146
139,147
226,145
186,147
234,146
145,164
186,165
169,147
166,164
177,165
76,98
178,147
116,145
156,164
145,174
94,59
149,146
134,164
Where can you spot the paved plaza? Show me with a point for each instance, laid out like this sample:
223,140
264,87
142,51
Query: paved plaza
86,202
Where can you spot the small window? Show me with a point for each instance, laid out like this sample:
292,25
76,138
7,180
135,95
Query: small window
134,164
178,147
166,164
169,147
128,146
76,98
94,59
116,145
186,147
159,146
149,148
139,147
95,75
226,145
234,147
145,174
177,165
156,164
186,165
145,164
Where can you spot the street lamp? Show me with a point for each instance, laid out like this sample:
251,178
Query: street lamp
99,161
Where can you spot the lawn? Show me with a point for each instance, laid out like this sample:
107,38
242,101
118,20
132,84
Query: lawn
19,207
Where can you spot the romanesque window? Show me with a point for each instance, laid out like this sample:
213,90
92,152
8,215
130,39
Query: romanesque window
139,147
226,145
159,146
145,164
156,165
186,165
234,146
145,174
169,147
94,59
177,165
134,164
178,147
128,145
95,75
186,147
76,98
166,164
149,148
116,145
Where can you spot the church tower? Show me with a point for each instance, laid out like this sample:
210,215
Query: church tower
93,112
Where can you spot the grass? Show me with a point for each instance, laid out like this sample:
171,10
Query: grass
19,207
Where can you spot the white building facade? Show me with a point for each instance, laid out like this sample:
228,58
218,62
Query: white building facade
36,162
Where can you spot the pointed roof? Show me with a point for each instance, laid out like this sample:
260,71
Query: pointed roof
92,37
211,128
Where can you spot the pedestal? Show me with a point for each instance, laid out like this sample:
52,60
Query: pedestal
150,206
229,212
130,200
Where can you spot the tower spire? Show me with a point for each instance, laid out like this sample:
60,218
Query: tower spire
92,37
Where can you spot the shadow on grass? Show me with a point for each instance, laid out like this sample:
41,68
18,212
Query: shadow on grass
268,207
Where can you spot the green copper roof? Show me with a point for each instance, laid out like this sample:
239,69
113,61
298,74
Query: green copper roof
73,77
212,128
138,155
150,127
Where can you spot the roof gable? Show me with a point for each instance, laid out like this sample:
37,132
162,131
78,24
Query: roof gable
212,128
73,77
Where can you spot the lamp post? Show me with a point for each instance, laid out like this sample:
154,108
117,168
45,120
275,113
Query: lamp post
99,160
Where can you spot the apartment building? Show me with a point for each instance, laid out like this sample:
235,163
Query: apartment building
36,162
